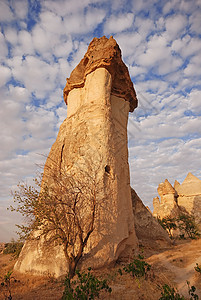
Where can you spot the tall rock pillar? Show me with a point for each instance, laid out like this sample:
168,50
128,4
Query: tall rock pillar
99,95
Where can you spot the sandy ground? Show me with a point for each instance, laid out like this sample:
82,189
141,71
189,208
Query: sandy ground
172,266
177,265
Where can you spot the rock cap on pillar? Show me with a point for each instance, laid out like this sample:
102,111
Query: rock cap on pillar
104,53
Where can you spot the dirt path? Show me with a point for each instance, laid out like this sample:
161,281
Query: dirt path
177,265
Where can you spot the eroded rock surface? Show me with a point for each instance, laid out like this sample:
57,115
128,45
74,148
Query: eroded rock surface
148,230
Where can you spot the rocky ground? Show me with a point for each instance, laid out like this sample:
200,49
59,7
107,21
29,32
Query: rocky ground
173,266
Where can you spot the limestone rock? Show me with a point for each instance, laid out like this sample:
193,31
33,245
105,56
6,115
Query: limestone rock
156,202
166,205
104,53
190,186
183,198
148,230
176,185
165,188
99,94
189,196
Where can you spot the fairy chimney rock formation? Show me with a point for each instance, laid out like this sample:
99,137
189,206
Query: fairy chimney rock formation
183,198
166,192
166,203
99,95
191,186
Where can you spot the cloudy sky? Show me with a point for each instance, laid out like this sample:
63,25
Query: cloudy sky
41,43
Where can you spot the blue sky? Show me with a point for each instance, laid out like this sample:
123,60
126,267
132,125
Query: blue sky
42,42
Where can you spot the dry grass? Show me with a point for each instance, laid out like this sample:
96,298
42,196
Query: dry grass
173,266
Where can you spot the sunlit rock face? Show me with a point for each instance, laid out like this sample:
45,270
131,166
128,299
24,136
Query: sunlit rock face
99,95
185,197
167,203
189,196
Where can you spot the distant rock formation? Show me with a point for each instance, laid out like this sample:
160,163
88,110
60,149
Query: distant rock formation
182,198
99,95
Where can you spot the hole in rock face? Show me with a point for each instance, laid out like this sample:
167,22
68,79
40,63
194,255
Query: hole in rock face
107,169
86,61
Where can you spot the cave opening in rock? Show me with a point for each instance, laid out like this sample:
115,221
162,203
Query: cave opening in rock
107,169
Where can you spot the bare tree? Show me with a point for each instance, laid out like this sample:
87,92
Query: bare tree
62,207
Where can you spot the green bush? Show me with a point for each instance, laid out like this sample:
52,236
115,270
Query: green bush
6,285
169,293
168,224
86,287
137,268
191,291
186,223
198,268
13,248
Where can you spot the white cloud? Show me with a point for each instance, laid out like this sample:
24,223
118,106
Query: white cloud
3,48
187,46
135,70
62,114
181,6
170,64
6,14
119,23
118,5
194,101
192,70
195,22
11,35
144,26
78,55
178,44
193,47
168,119
155,86
42,40
12,128
143,5
37,76
54,99
40,123
63,8
158,56
51,22
175,25
160,24
94,16
21,8
63,49
64,70
156,51
186,6
128,43
25,41
5,75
